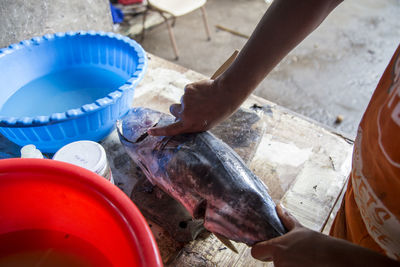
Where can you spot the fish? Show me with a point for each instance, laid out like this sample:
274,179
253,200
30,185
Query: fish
242,131
205,175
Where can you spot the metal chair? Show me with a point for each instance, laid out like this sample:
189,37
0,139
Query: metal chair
175,8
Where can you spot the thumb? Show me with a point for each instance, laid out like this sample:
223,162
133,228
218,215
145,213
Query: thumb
169,130
175,109
263,251
288,220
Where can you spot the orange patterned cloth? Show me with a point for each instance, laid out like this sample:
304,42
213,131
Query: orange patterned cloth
370,211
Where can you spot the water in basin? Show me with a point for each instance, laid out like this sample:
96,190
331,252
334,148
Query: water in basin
61,91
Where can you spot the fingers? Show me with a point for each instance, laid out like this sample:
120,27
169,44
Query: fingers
287,219
169,130
172,129
262,251
265,251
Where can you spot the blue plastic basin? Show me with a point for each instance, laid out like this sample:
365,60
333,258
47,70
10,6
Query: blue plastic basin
65,87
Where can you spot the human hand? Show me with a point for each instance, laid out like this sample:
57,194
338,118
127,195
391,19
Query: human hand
203,105
305,247
296,248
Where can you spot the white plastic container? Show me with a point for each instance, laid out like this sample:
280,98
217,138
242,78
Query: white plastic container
30,151
87,154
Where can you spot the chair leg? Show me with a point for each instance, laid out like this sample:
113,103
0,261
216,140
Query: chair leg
173,21
143,24
171,36
203,11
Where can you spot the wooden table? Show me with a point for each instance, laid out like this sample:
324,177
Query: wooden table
304,165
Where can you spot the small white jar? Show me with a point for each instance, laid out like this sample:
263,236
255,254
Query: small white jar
87,154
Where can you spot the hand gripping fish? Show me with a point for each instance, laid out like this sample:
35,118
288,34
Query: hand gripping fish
205,175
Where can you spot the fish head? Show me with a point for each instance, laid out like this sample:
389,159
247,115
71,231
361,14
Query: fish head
140,146
249,219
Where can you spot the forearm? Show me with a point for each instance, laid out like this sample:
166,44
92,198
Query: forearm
343,253
284,25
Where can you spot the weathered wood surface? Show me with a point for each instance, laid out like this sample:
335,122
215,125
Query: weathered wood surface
303,164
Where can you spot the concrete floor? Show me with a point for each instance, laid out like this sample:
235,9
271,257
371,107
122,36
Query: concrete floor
333,72
24,19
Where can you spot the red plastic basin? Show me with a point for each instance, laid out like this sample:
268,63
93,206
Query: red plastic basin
50,203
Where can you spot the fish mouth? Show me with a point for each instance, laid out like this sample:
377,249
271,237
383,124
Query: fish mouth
138,140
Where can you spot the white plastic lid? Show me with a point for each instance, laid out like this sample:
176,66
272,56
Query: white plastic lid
87,154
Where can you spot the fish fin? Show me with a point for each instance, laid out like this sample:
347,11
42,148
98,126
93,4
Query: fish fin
226,242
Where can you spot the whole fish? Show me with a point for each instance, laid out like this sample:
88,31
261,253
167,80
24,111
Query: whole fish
205,175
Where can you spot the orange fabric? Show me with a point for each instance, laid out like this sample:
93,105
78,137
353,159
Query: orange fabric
370,212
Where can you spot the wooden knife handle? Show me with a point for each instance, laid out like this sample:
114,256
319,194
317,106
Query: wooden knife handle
226,64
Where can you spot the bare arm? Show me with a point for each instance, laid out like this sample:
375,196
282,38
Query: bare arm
284,25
